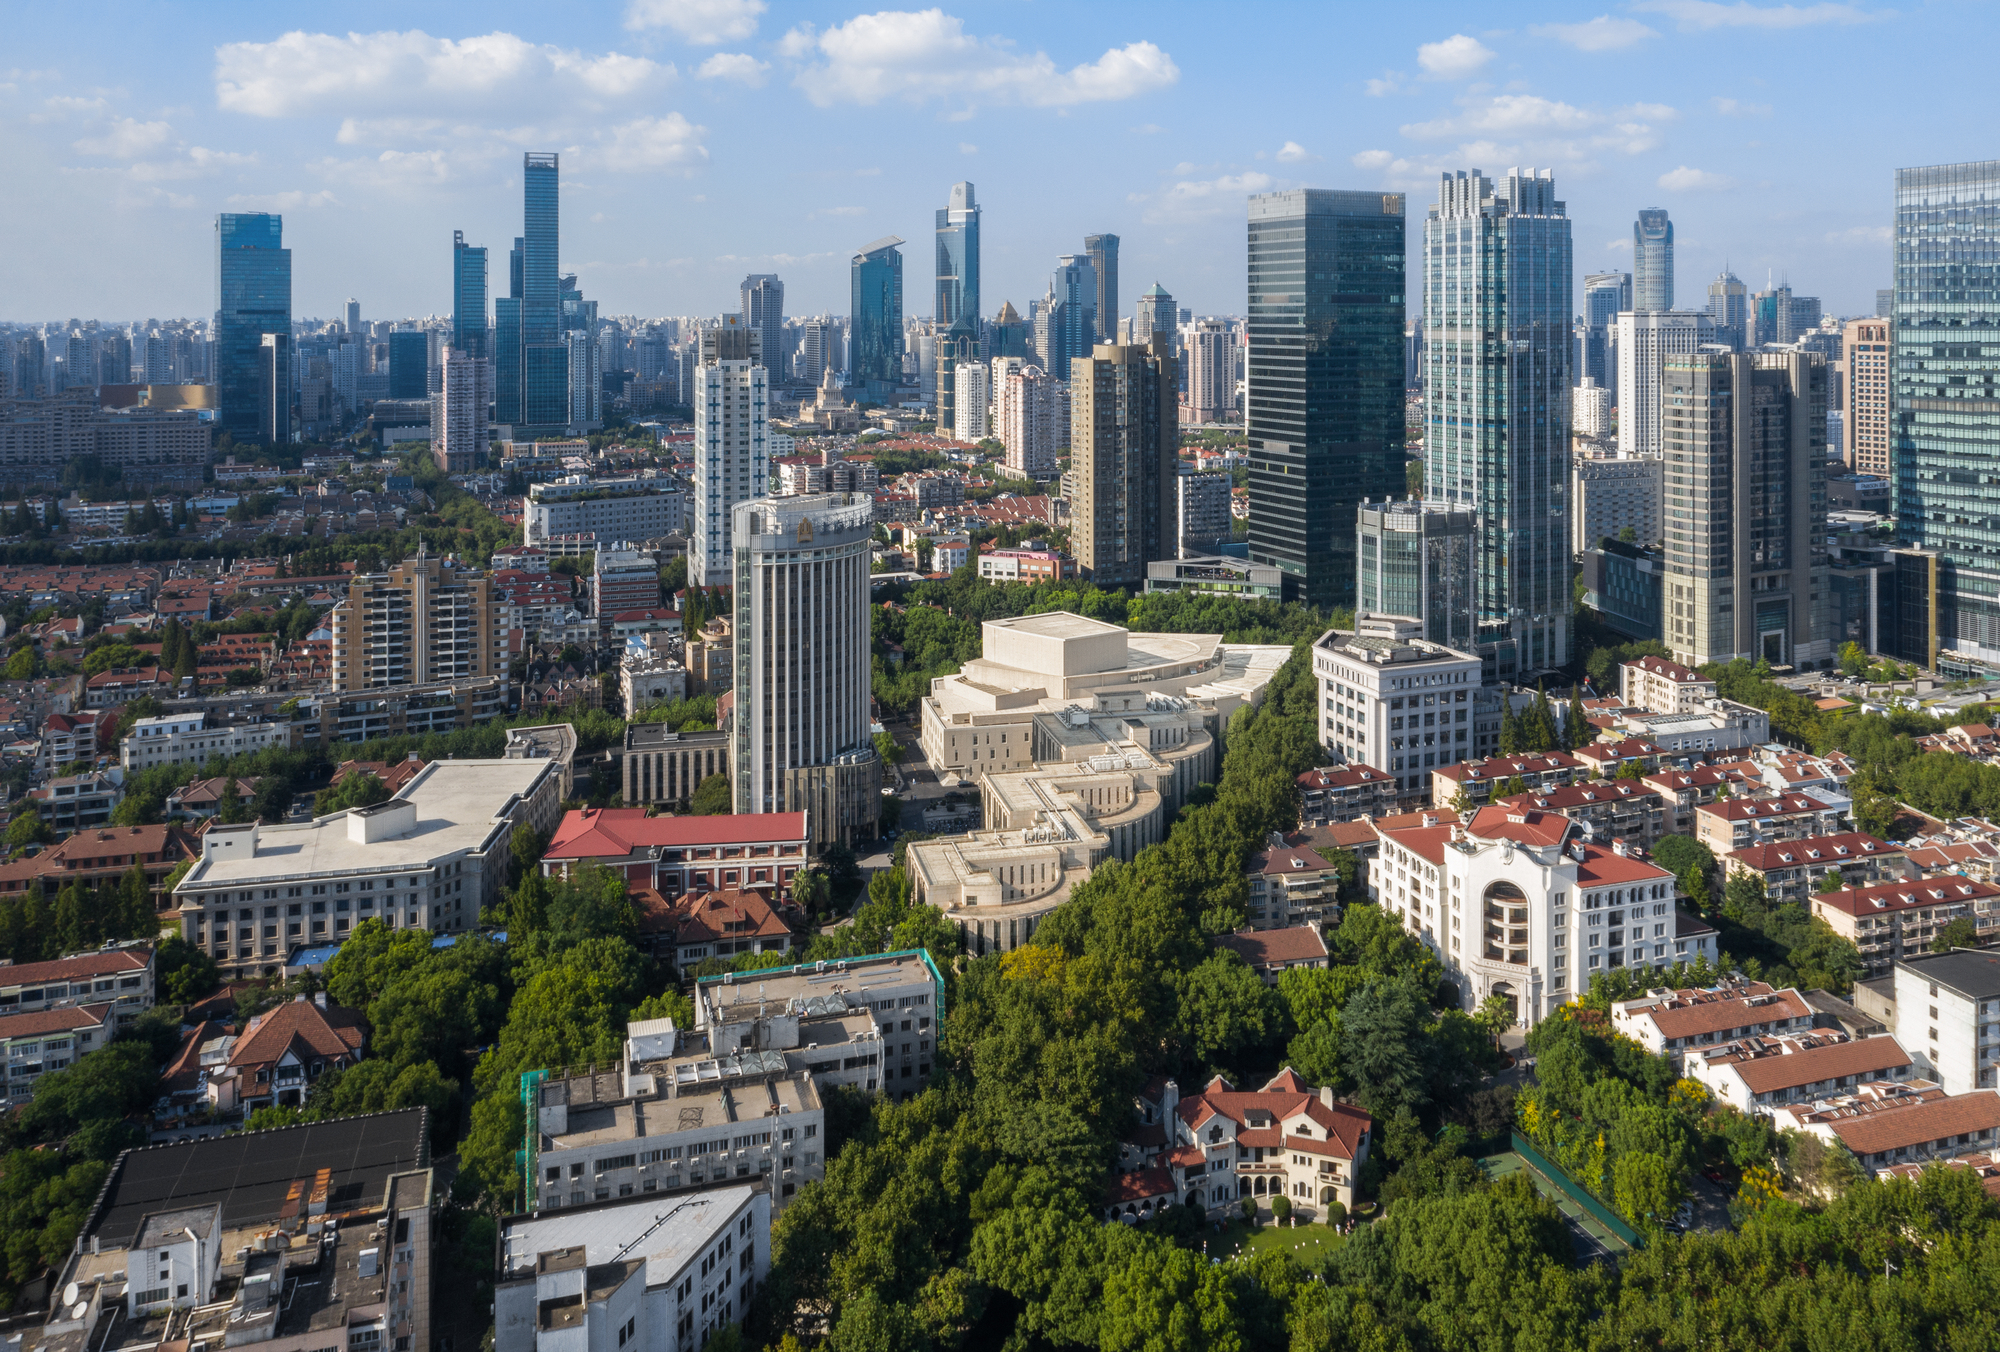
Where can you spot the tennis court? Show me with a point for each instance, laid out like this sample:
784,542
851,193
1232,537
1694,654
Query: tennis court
1594,1239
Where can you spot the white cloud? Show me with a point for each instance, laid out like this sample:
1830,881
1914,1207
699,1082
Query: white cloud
1528,129
282,201
926,54
1373,159
127,139
1685,179
1193,198
1601,34
1861,234
1291,152
1705,14
1506,115
649,143
198,162
1736,108
1390,83
302,73
739,66
967,148
1454,58
707,22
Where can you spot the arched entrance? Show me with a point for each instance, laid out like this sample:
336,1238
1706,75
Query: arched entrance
1505,991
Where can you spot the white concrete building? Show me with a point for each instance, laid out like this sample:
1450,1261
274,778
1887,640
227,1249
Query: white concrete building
1758,1075
1210,349
186,739
1394,701
1646,338
1614,493
1670,1022
648,676
971,399
1590,409
635,508
732,456
651,1274
1033,417
1663,686
1948,1015
429,858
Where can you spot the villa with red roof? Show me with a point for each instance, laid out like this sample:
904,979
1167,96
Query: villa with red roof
1216,1147
673,855
1662,686
1521,904
1792,870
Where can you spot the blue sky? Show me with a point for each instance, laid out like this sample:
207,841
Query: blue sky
703,139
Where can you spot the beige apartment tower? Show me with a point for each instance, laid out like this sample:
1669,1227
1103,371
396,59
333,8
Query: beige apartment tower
1745,520
1125,459
1864,348
426,620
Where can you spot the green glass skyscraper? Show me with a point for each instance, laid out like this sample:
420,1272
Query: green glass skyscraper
253,297
875,338
544,357
958,260
1325,397
468,297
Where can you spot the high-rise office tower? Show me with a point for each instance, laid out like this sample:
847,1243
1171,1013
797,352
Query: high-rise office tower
353,324
1009,335
1778,316
158,360
506,360
459,435
253,297
1864,346
1202,511
1030,409
544,357
1885,301
425,620
958,260
274,389
875,320
1729,311
114,359
1605,294
586,382
1157,313
1497,358
815,338
1103,251
1211,370
800,732
764,312
1746,561
1646,338
1324,404
732,461
1124,458
1945,383
468,297
1066,325
409,364
80,359
971,397
957,346
1415,559
1653,261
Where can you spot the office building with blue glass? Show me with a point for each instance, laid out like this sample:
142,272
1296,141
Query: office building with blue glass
253,297
468,297
544,355
409,364
958,259
875,336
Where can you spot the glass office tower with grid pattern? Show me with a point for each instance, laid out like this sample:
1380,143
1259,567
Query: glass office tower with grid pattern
253,297
468,296
544,356
1325,389
875,336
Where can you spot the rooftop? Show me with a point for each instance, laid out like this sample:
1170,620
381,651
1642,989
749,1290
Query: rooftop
664,1231
1973,973
1298,943
595,833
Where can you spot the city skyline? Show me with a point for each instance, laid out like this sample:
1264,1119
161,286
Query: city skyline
377,144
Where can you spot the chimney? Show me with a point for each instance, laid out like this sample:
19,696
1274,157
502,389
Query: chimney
319,998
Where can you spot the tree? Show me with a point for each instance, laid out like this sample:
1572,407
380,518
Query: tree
1960,933
711,797
1577,728
1281,1207
1853,660
1646,1189
1380,1046
21,666
1495,1016
28,829
230,811
365,789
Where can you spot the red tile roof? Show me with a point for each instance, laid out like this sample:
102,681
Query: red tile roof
1523,826
1765,1069
1764,809
1297,943
1908,894
1848,847
1696,1013
704,917
1343,777
302,1027
1899,1120
1292,858
78,967
1565,796
616,832
1660,666
69,1018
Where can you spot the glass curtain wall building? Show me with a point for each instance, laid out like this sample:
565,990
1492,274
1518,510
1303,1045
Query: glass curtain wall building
875,338
1945,390
1103,251
468,297
253,297
1604,295
409,362
958,260
544,357
1729,311
764,311
1497,358
1653,261
1325,388
1415,560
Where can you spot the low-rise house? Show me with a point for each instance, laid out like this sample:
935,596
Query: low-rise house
282,1052
1273,952
1478,780
99,855
1900,919
1793,870
700,925
1624,809
1341,793
1900,1122
203,798
1738,823
120,976
1606,759
1214,1148
107,689
1760,1074
1663,686
673,855
50,1039
1362,838
1682,791
1985,1165
1291,884
76,802
67,738
1672,1021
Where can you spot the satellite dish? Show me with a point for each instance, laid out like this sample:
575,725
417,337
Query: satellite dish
70,1293
77,1311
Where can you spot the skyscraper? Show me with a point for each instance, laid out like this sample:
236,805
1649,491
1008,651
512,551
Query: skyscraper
1066,326
409,363
544,358
764,311
459,436
1497,357
800,731
1865,428
586,382
972,390
253,297
875,319
1415,559
957,346
1653,261
1646,338
1605,294
1103,251
1729,311
1945,381
958,260
1324,412
1029,409
353,324
274,389
732,461
1009,335
1157,313
1746,561
468,297
1124,460
1211,368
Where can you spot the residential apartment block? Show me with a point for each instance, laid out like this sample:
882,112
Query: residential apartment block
191,739
425,620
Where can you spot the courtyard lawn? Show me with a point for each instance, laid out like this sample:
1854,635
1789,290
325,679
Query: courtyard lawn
1309,1245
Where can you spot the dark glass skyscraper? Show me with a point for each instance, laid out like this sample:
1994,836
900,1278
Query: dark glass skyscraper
468,296
1497,366
875,338
1325,367
1945,406
544,357
253,297
1103,251
764,311
1604,295
958,260
409,364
